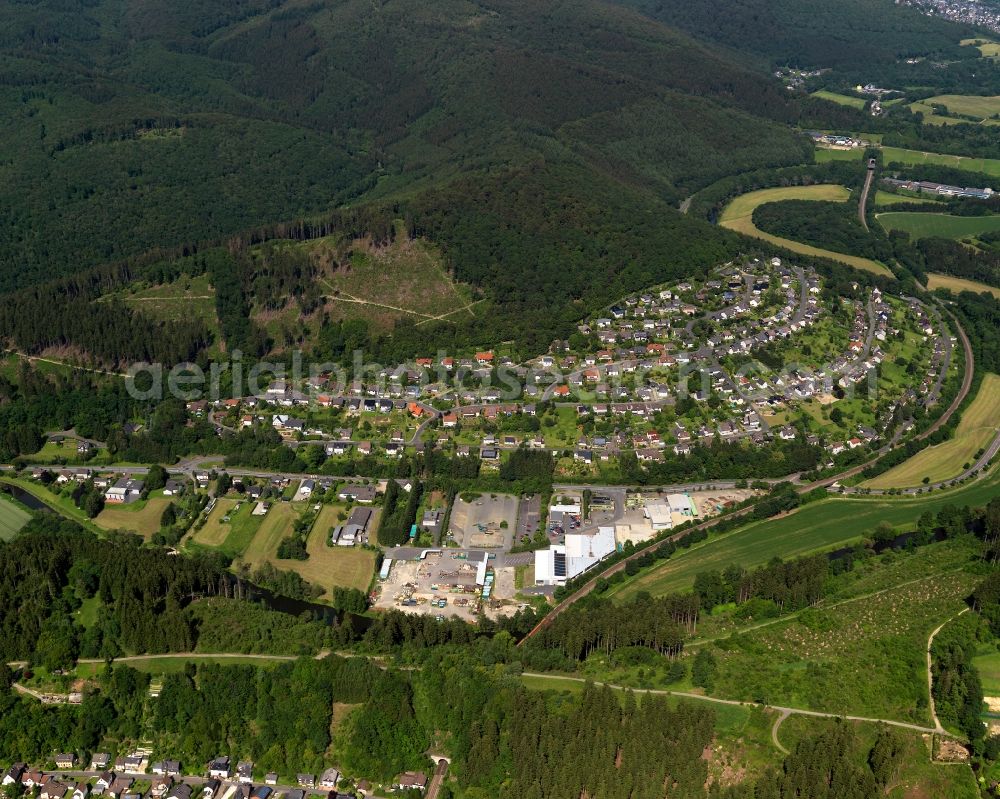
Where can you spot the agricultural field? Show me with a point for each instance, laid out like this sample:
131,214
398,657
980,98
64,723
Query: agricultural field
840,99
921,224
738,216
12,518
142,517
961,104
958,284
183,299
233,536
979,424
819,526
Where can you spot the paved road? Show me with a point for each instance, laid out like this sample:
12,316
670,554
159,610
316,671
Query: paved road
788,711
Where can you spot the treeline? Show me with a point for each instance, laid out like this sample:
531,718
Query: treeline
833,226
603,626
723,460
53,567
399,513
280,716
956,686
790,585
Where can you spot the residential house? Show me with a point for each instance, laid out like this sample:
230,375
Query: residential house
412,779
261,792
82,790
167,768
29,779
120,786
13,775
159,786
244,772
124,491
220,768
211,787
354,492
53,790
65,760
354,529
329,778
104,782
180,791
173,488
306,780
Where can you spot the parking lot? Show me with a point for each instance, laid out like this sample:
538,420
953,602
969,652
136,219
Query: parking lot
486,521
529,514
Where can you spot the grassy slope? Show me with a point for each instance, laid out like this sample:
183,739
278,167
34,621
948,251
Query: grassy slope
818,526
978,426
738,216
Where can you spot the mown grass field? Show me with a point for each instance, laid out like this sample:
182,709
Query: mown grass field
330,567
275,526
12,518
738,216
840,99
963,104
977,427
819,526
141,518
232,537
988,166
921,224
884,198
326,566
987,661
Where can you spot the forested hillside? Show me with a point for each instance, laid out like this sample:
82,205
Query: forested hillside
126,132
